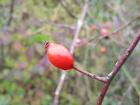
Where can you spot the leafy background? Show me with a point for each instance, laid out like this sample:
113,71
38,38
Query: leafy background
27,77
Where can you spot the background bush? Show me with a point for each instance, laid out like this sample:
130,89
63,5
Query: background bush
27,78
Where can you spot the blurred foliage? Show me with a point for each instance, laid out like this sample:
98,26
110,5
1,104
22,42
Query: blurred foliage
39,38
27,77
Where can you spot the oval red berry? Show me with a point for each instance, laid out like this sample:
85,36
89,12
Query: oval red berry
59,56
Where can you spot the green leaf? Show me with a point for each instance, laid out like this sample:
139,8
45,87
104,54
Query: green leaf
39,38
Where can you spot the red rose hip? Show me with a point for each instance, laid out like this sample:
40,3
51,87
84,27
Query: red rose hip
59,56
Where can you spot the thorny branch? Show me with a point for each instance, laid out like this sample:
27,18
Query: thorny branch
117,68
106,78
63,74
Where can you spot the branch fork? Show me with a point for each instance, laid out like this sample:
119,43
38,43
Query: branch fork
107,79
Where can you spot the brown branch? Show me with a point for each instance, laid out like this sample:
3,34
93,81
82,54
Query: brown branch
117,68
116,31
90,75
67,10
125,25
11,11
63,74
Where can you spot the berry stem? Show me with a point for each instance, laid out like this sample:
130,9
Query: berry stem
93,76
